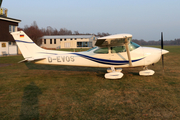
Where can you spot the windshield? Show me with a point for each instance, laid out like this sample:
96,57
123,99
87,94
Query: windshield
117,49
133,46
91,49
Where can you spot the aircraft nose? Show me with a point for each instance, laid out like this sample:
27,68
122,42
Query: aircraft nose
164,51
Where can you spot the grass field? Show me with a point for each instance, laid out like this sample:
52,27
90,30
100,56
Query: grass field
29,91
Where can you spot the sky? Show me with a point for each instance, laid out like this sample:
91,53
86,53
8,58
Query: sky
144,19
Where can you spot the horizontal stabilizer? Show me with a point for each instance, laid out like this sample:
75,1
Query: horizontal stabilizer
31,59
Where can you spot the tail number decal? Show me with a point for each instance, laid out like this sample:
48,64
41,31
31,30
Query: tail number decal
62,59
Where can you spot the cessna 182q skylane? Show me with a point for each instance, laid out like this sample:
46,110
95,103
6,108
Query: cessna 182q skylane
113,52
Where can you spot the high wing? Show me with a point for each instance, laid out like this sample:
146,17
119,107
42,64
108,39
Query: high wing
116,40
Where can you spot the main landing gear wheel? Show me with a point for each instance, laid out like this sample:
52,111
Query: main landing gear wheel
146,72
113,73
117,70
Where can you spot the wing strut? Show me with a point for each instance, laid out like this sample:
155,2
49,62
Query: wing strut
128,52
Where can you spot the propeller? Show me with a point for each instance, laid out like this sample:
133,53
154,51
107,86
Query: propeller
162,46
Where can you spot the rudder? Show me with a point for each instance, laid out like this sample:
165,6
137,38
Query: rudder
27,47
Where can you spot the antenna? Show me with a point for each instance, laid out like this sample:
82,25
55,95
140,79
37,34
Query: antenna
0,2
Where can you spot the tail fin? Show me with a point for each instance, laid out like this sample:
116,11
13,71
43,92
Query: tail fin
28,48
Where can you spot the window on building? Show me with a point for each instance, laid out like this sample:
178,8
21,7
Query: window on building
3,44
67,45
50,41
9,28
71,38
90,44
60,39
64,39
79,44
12,28
75,38
54,41
84,44
44,41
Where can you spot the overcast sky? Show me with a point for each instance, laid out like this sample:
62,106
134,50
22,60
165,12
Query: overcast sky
144,19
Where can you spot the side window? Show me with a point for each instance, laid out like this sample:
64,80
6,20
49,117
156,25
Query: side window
102,51
118,49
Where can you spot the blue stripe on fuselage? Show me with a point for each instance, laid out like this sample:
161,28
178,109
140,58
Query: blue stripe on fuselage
105,61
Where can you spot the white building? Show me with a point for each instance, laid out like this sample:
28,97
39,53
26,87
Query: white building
68,41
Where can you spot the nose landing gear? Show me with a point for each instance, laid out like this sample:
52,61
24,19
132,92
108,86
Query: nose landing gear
146,72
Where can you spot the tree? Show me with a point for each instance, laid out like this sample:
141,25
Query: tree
64,31
102,34
76,32
34,32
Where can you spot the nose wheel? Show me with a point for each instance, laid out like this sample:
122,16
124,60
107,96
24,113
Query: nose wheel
146,72
113,73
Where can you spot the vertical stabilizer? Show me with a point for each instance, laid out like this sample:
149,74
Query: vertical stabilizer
28,48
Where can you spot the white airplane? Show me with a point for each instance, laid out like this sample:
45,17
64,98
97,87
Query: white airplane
113,52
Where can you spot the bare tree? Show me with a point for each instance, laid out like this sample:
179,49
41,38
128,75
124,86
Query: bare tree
76,32
33,32
64,31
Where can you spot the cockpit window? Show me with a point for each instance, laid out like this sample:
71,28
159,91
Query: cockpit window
117,49
102,50
133,46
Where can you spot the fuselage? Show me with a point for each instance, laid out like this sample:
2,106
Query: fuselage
140,56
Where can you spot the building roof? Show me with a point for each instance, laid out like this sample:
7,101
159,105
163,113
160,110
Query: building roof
9,19
66,36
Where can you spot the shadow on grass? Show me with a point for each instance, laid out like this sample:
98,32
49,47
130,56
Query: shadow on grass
62,68
134,73
29,107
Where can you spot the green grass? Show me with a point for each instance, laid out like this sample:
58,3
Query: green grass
29,91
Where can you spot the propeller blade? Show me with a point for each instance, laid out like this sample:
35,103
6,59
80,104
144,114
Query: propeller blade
162,46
